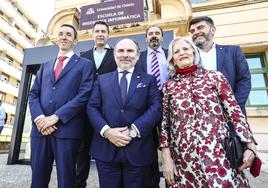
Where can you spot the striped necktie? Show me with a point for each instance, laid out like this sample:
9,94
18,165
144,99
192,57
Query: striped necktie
155,68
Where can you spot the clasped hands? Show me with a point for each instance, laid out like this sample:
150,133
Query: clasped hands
118,136
47,124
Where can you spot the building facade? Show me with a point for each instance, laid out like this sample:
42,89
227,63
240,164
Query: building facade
18,30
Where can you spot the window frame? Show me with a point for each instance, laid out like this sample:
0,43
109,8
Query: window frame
263,70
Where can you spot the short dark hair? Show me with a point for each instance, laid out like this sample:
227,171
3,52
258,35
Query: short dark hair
101,23
207,19
151,27
71,26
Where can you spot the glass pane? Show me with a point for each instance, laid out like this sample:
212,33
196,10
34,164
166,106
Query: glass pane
259,98
198,1
25,149
254,63
258,80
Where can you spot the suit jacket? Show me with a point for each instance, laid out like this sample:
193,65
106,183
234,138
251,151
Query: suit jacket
233,64
142,63
107,65
142,107
66,97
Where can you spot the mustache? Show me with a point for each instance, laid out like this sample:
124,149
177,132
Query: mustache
154,38
198,35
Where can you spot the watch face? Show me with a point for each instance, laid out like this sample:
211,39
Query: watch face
132,133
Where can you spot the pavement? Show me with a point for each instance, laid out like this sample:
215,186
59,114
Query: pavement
19,176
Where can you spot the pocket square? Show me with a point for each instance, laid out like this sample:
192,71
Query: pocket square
140,85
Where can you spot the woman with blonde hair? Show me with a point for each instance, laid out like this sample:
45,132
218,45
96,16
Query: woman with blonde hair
197,104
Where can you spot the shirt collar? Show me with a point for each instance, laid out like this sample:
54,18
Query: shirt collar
105,47
150,50
69,54
213,47
129,70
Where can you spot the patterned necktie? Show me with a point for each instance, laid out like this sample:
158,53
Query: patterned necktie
123,86
59,66
155,68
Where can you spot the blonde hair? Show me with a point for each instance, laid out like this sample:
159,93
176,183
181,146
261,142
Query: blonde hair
171,66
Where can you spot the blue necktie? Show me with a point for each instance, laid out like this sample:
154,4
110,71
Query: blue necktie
123,86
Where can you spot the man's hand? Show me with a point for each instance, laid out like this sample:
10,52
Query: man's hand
46,125
118,136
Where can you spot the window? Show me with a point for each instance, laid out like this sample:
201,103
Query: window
2,96
259,69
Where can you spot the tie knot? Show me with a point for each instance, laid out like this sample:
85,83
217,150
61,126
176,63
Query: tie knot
62,58
154,52
124,72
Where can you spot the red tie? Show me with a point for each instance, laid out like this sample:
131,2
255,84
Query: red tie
59,66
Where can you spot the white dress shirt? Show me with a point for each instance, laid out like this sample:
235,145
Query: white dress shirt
209,59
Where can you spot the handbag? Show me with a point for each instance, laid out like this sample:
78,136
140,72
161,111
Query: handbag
234,150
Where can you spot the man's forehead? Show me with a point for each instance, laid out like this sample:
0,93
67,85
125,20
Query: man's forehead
126,43
154,29
199,23
66,29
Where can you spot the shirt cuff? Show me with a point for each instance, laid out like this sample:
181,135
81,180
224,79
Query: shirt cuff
136,129
38,117
103,130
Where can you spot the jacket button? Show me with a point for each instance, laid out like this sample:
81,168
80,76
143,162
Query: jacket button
54,88
122,110
50,101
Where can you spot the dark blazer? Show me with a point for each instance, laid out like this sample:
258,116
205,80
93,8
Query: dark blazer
107,65
233,64
142,107
66,97
142,63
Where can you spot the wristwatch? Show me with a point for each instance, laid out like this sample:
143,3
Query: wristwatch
132,132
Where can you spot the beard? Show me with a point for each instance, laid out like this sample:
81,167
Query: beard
201,40
154,43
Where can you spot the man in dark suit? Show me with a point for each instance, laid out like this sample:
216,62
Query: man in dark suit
57,103
102,58
101,54
124,107
227,59
154,61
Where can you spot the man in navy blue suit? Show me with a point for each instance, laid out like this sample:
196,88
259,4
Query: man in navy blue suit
227,59
154,38
102,58
124,107
57,103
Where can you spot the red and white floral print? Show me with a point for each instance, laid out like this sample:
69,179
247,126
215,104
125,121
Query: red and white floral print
196,107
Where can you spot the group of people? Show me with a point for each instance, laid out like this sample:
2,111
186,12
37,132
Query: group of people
121,105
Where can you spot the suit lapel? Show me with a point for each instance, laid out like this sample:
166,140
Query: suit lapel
68,66
51,69
115,87
220,57
107,54
135,79
144,63
91,57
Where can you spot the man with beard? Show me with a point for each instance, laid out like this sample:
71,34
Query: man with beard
154,61
227,59
124,107
101,55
